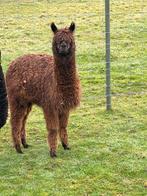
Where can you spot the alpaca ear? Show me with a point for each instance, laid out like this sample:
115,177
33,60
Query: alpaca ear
72,27
53,27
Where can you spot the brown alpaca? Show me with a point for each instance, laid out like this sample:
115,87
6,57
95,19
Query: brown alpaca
50,82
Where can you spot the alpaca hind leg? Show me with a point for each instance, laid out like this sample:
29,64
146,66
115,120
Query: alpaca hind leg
52,123
17,114
63,121
23,131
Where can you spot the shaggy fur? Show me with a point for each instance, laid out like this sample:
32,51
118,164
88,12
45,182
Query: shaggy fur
50,82
3,98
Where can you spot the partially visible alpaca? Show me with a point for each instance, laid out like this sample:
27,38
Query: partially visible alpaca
3,98
50,82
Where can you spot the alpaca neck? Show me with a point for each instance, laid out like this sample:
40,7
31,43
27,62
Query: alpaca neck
65,70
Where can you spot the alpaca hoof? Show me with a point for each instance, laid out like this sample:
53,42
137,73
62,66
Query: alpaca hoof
53,154
65,146
18,149
26,145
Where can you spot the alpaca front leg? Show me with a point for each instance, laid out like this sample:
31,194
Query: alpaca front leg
23,139
52,141
63,121
52,123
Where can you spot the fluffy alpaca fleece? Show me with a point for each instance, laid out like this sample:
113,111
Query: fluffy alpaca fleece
3,98
49,82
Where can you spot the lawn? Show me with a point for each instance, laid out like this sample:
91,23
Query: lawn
108,149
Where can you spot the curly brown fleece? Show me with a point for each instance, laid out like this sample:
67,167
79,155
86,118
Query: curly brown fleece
49,82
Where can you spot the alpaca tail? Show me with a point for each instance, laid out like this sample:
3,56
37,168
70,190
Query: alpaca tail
3,98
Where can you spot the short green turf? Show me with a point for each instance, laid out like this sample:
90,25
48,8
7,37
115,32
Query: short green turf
108,149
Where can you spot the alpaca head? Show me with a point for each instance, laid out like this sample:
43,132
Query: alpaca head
63,40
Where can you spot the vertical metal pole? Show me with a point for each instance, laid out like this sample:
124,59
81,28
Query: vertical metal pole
107,32
0,57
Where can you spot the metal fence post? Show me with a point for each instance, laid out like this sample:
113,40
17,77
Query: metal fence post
0,57
107,34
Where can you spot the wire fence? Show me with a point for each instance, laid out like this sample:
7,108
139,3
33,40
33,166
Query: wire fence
128,40
128,43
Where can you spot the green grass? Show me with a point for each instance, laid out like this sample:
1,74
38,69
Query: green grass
108,149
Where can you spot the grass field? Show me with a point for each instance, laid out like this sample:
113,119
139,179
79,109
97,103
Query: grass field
108,149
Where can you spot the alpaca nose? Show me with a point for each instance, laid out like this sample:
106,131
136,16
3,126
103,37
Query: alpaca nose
63,45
